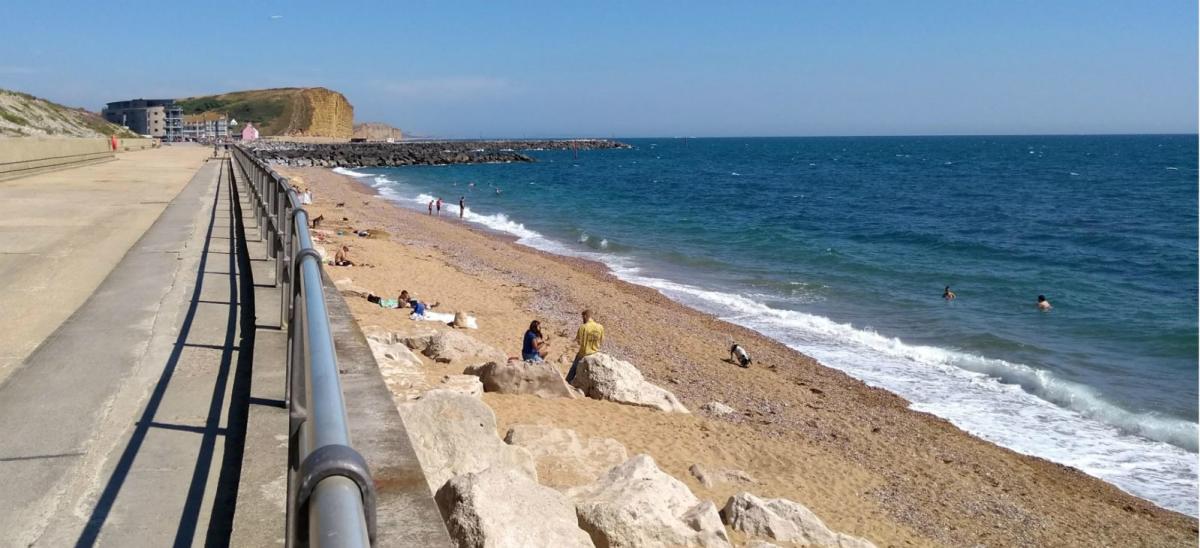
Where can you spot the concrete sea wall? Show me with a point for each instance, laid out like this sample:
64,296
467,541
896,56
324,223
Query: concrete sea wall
21,156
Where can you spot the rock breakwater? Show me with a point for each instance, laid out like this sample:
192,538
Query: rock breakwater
414,153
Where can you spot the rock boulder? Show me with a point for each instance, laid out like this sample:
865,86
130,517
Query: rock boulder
458,348
455,434
501,507
783,520
604,377
636,504
563,459
513,377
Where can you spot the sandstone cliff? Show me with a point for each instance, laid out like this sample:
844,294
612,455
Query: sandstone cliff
375,131
293,112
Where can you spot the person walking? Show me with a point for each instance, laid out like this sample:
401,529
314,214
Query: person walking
589,337
462,206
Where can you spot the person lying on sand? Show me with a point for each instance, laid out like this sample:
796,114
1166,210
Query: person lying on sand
533,347
739,354
399,302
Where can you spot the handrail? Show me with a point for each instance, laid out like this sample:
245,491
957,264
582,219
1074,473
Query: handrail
331,497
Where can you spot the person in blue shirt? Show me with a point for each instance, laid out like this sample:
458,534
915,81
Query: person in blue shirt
533,347
418,308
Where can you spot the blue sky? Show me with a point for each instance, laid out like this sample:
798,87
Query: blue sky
468,69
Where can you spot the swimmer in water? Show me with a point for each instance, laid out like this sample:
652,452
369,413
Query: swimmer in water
948,295
1043,304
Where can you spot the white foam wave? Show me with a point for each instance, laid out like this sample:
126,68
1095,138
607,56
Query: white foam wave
350,173
1014,405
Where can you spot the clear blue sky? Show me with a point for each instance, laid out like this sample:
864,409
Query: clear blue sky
466,69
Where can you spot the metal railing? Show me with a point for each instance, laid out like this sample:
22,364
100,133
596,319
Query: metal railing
331,497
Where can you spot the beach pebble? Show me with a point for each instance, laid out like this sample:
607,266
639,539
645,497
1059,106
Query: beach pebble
502,507
717,408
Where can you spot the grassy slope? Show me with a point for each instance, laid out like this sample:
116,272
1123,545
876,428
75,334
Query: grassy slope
273,111
29,115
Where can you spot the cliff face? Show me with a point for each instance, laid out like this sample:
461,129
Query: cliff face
296,112
374,131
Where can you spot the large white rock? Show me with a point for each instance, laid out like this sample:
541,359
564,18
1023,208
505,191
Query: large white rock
513,377
463,384
783,520
636,504
455,434
458,348
402,370
500,507
563,459
604,377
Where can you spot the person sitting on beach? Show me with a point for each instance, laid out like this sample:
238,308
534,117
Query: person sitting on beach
418,308
342,258
1043,304
533,348
948,295
739,355
589,337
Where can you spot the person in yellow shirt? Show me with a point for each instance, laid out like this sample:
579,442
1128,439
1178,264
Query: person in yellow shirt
589,337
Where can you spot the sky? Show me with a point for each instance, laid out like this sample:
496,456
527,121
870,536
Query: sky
632,69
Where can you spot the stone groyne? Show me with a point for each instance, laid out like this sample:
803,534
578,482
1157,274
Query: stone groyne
414,153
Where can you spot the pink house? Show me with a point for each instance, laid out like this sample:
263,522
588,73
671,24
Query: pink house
249,133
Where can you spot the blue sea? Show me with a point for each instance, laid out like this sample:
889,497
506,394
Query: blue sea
841,247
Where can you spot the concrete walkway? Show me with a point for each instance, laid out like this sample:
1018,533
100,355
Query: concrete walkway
61,233
126,426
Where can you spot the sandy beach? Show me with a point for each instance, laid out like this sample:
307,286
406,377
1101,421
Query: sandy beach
855,455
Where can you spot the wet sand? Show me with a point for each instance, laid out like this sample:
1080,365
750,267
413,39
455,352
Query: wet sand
855,455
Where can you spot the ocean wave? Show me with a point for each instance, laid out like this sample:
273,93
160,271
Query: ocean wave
350,173
1026,409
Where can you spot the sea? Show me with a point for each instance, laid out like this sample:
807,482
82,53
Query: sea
841,248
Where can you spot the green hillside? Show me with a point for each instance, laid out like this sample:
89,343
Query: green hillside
281,111
23,115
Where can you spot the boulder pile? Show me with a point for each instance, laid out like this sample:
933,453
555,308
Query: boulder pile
413,153
548,486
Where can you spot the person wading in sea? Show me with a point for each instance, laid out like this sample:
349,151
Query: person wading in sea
439,207
948,295
589,337
462,206
1043,304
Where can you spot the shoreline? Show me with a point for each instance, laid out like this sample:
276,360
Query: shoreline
856,455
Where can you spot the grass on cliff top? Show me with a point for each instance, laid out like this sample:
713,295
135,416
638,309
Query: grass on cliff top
273,111
71,116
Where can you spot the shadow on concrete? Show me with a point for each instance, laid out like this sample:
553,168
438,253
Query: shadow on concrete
221,521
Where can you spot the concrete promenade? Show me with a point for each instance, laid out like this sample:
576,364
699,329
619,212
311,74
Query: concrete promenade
121,429
145,407
61,233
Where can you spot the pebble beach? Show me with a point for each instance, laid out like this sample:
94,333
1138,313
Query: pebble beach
857,456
